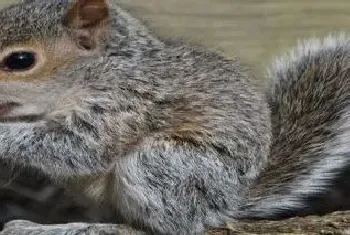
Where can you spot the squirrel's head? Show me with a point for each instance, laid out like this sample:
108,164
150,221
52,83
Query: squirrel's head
41,43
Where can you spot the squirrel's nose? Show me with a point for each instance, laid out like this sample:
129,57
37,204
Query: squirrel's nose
6,107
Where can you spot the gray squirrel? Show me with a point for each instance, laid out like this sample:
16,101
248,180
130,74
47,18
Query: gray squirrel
170,138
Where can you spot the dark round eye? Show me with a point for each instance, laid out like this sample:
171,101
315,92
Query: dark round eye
19,61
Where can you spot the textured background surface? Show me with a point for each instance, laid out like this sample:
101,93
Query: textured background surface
254,30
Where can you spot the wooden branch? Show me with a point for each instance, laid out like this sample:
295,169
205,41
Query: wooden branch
337,223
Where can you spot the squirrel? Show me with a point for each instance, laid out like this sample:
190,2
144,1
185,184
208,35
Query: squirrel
171,138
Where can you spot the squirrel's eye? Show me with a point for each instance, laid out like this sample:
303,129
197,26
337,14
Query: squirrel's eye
18,61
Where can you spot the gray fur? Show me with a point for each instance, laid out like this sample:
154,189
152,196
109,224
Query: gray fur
166,135
173,138
309,100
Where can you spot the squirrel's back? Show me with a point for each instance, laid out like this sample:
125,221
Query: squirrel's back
309,98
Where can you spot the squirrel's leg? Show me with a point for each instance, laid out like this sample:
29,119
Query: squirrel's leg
171,187
24,227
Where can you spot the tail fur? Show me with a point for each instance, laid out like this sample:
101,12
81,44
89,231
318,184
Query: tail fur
309,97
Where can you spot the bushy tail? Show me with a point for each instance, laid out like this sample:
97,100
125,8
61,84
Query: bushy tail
309,96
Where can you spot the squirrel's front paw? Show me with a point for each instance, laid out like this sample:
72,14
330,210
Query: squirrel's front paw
24,227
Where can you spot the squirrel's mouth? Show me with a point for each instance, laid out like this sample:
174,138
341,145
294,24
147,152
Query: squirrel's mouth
14,112
24,118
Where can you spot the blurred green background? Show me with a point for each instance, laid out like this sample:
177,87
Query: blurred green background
254,30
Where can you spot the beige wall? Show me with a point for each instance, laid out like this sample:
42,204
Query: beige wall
255,30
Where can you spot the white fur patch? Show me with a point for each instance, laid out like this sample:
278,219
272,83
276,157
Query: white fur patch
333,160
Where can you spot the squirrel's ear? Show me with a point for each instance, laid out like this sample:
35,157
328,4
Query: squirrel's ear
87,19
